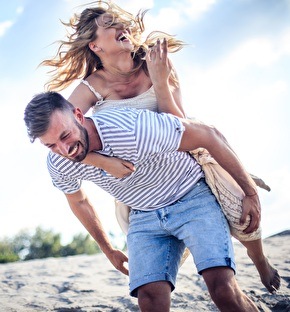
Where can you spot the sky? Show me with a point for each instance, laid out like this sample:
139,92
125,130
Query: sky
234,74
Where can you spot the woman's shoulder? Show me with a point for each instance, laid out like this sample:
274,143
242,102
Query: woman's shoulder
84,96
92,89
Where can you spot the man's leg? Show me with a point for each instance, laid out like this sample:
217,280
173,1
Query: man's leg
155,297
225,292
154,257
206,234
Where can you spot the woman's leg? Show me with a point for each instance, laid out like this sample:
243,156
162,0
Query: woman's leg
268,274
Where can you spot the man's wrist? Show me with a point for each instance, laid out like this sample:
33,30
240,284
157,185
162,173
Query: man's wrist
251,195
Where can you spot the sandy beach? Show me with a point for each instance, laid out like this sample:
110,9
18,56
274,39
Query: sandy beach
91,284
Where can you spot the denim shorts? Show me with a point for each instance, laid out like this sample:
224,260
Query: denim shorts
157,239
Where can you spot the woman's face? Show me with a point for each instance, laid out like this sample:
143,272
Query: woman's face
112,35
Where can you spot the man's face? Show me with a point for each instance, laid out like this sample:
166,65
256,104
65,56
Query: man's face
66,136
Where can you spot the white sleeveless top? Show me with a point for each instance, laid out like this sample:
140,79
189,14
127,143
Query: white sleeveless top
145,100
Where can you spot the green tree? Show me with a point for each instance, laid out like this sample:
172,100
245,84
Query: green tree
21,243
43,244
7,252
81,244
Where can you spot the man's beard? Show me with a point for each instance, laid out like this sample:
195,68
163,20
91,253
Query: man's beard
84,143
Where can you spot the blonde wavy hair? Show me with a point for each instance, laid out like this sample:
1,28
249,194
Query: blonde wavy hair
75,60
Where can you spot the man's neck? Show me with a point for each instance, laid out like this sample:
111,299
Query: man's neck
95,143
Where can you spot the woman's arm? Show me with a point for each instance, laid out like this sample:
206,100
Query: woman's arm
161,71
82,98
117,167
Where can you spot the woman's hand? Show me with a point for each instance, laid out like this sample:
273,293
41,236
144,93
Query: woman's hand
161,73
158,64
117,167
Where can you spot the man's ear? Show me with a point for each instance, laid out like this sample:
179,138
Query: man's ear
79,115
94,47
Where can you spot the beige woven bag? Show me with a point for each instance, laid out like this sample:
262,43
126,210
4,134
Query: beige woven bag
227,192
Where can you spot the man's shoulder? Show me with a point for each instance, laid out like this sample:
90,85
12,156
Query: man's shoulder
120,119
116,114
125,117
65,174
57,160
59,164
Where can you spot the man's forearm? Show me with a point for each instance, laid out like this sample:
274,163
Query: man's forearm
198,135
86,214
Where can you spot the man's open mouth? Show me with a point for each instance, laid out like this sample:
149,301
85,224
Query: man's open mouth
73,151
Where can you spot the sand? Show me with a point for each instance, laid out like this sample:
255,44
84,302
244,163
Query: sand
91,284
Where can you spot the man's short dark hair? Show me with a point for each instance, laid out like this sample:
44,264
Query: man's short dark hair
40,108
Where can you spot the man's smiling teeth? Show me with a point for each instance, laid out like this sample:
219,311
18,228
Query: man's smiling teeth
74,150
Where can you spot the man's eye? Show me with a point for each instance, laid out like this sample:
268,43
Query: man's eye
65,136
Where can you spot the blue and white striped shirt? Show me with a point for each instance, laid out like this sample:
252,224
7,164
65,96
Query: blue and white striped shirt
148,140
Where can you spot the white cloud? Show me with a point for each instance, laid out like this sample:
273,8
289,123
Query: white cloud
246,84
284,41
4,26
196,8
175,15
278,198
19,10
134,6
166,20
254,53
261,52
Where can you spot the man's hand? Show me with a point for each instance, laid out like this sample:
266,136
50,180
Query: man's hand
118,258
251,207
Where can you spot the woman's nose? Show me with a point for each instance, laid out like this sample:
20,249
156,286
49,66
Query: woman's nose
120,26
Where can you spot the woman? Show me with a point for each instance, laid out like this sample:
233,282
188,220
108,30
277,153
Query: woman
118,68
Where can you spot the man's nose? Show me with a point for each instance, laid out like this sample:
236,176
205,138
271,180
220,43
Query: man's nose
63,149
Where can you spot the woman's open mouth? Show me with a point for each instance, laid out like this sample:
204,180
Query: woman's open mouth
123,37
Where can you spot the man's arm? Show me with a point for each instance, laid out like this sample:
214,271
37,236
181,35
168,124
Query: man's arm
198,135
84,211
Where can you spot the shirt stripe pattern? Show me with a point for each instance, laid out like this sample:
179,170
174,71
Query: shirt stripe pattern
148,140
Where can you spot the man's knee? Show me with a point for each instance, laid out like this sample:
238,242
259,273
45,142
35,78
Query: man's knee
154,296
221,284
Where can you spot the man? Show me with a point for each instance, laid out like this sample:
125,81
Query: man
172,206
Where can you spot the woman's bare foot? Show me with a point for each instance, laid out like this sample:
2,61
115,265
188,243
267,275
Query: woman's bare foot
268,274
